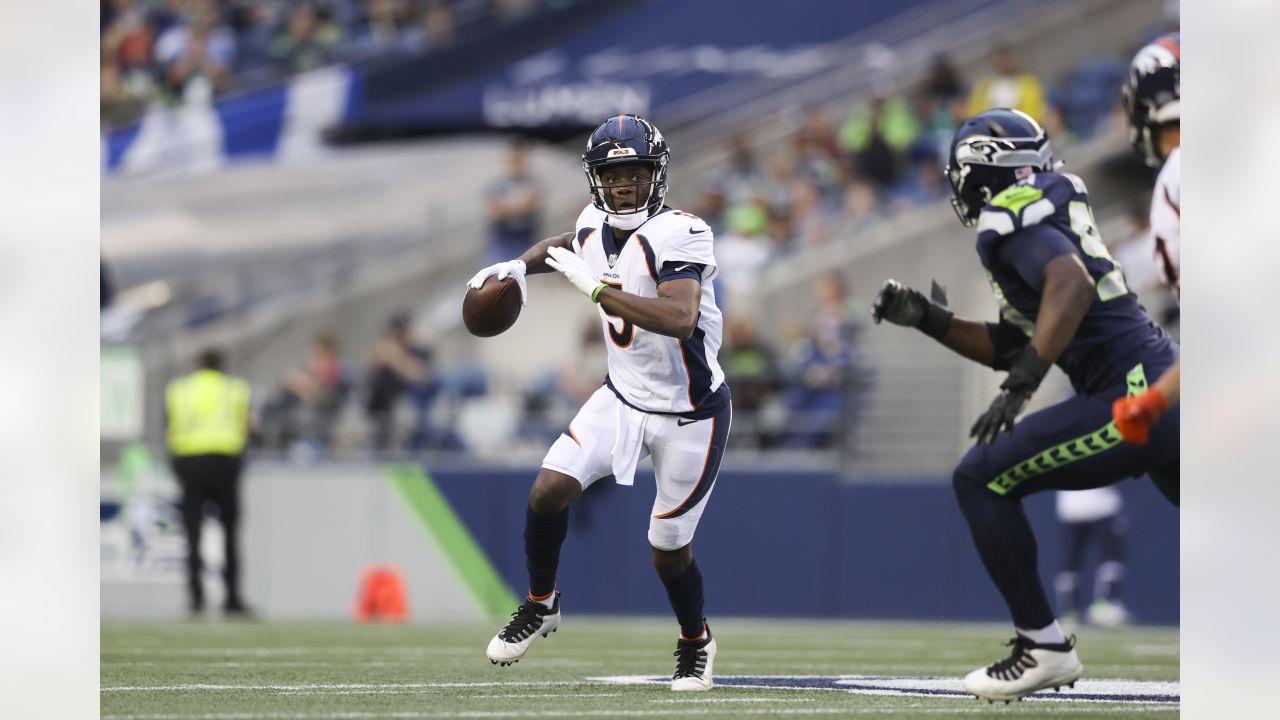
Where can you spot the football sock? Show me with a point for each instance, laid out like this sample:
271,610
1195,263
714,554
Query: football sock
1007,546
543,535
548,601
1107,586
1050,634
685,593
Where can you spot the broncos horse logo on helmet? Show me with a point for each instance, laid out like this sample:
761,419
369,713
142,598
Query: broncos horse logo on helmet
1152,94
991,151
627,140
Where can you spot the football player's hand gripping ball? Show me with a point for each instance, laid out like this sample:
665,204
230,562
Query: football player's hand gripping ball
511,268
575,269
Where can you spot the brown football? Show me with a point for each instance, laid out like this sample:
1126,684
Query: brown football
493,308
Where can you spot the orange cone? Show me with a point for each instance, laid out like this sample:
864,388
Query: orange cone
381,596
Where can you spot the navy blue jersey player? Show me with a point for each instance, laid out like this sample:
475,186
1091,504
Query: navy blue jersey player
1063,301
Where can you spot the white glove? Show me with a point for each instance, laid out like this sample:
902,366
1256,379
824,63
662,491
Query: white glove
574,268
510,268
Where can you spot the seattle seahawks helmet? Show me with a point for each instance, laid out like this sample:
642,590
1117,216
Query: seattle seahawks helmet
1152,94
627,140
991,151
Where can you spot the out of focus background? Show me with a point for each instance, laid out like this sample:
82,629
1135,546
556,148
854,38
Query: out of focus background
306,185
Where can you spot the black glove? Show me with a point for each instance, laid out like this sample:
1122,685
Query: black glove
905,306
1025,374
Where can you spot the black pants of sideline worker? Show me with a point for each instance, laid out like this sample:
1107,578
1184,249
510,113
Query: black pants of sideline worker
211,479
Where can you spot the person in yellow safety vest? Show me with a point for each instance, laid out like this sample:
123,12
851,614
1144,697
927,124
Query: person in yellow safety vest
1010,87
207,414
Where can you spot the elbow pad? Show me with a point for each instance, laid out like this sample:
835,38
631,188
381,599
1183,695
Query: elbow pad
1007,341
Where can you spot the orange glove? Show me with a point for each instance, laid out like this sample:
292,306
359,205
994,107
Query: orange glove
1134,415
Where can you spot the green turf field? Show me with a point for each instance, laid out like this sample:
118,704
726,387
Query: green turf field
244,670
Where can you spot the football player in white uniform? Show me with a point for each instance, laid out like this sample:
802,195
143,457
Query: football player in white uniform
649,269
1152,97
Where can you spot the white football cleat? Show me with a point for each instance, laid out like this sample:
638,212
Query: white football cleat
694,659
1030,667
529,622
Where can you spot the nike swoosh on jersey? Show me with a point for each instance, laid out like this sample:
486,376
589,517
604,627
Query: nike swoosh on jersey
682,423
696,232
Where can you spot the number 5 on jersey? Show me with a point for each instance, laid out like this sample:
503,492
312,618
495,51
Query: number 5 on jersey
622,338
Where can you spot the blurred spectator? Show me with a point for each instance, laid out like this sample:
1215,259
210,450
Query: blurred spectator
780,234
713,205
397,367
1085,97
826,374
742,171
436,28
751,370
876,136
943,85
255,24
309,39
515,208
307,407
383,27
817,161
125,75
195,54
742,251
924,182
1009,87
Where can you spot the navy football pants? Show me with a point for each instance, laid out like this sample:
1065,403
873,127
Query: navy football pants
1071,446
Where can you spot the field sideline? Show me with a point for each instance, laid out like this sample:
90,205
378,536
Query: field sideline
600,667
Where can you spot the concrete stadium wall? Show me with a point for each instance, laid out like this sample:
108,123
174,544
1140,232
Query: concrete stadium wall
308,534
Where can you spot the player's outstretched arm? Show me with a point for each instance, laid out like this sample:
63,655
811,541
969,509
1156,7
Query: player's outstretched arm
535,258
532,261
908,307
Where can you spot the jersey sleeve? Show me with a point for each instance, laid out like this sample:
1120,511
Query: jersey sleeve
1166,222
1029,251
689,242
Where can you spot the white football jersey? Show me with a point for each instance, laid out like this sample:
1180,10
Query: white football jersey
652,372
1166,221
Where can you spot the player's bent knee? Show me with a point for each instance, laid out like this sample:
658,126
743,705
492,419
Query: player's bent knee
553,491
668,539
970,477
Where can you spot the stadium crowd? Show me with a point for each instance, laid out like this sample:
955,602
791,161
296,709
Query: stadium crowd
173,51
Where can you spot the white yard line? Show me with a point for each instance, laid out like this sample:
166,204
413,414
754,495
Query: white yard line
333,686
673,711
683,701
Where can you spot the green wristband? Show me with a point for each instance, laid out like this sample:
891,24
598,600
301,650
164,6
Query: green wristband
595,294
